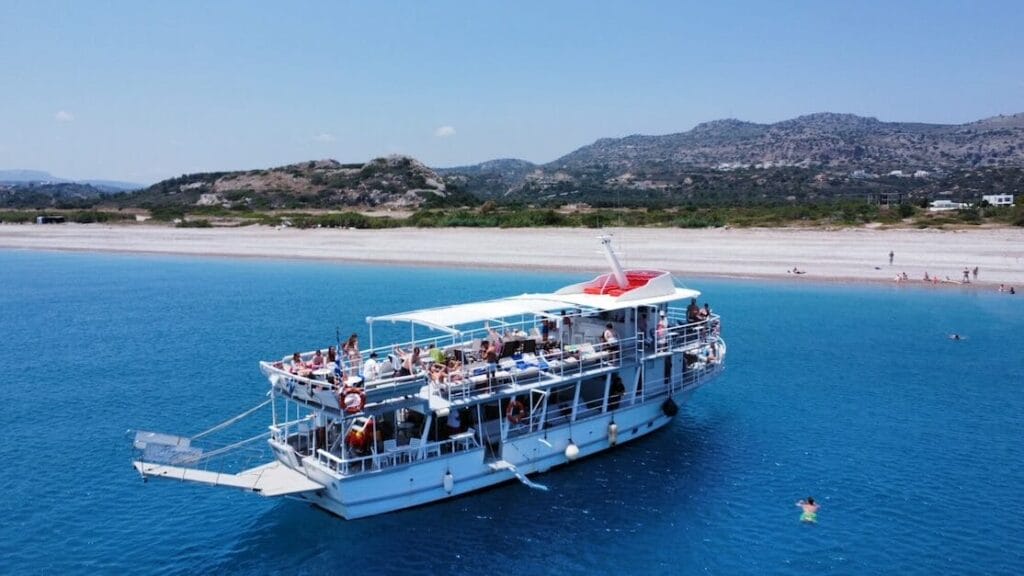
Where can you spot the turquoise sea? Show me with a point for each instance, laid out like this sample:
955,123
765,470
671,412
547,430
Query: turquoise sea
912,443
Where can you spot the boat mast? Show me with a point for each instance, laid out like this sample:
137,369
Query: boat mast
620,276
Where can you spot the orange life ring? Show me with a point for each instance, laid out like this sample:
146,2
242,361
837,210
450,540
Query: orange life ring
515,411
352,400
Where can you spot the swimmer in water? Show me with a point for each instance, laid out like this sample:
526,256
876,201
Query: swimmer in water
810,510
955,336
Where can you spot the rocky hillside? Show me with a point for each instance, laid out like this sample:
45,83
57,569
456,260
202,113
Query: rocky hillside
397,182
823,140
49,195
732,158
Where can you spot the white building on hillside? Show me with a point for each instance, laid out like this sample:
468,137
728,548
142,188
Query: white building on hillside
998,199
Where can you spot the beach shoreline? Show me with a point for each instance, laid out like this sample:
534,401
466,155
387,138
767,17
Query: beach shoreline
854,255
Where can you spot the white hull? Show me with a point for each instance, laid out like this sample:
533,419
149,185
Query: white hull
421,483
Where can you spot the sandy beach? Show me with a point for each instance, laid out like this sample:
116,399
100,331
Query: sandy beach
834,255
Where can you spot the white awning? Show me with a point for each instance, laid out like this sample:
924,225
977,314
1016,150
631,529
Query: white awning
446,318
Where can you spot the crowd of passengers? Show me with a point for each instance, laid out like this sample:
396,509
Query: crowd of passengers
445,368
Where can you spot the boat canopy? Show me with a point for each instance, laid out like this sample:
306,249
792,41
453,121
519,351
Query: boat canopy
449,318
446,318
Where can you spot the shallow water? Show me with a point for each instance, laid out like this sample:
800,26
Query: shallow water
911,442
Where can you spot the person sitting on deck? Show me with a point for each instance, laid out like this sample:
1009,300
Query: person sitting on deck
410,360
299,367
318,361
438,373
332,355
454,370
611,342
371,368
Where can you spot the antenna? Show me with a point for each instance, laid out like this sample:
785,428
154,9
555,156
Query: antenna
620,276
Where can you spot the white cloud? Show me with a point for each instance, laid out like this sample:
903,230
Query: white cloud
63,116
445,132
324,137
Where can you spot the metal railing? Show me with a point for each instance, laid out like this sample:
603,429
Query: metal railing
402,455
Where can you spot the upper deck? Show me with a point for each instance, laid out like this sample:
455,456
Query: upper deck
530,356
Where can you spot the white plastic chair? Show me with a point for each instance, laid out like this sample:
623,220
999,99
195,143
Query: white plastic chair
391,450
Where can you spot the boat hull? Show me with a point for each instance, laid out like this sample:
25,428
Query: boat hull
423,482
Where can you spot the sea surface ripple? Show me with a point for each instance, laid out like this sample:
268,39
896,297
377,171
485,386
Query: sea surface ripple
910,441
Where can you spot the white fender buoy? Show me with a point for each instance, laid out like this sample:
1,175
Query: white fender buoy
613,434
448,482
572,451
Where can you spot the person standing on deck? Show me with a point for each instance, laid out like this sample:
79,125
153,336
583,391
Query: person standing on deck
565,330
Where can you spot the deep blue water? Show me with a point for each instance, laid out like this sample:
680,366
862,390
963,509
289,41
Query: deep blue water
913,444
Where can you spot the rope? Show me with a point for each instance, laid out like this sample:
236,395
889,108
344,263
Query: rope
227,423
230,447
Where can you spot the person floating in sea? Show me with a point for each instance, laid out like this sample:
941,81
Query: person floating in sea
810,510
955,336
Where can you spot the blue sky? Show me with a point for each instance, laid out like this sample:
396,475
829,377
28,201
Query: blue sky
141,91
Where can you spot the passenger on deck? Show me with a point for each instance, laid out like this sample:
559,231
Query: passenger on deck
351,350
318,361
496,341
662,330
616,392
491,357
565,329
515,411
454,422
482,352
545,330
371,369
454,371
299,367
693,311
435,353
438,373
332,355
611,342
410,360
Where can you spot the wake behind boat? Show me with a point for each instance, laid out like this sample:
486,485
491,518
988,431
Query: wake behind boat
496,391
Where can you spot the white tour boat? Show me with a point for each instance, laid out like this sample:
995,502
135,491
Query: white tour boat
501,389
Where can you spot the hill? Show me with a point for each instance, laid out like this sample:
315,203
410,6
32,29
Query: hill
793,157
397,182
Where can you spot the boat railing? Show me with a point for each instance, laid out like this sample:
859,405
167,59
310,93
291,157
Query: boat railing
309,387
381,458
564,362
